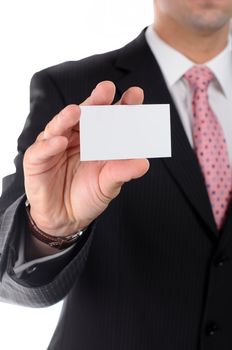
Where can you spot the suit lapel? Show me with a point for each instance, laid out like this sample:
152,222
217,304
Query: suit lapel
141,69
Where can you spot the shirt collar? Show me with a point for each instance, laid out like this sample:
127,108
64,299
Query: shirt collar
174,64
221,66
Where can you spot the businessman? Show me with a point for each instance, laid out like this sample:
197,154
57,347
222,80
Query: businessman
141,250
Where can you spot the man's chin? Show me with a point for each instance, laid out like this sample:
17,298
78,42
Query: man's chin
209,4
209,21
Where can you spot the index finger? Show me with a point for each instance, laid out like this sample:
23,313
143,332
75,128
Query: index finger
65,120
69,117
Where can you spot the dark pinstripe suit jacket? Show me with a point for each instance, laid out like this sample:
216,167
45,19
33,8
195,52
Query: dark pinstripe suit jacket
152,272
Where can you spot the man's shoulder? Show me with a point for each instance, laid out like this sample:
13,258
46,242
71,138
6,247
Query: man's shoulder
76,79
98,66
95,64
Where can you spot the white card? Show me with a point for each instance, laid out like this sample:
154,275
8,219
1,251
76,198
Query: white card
125,132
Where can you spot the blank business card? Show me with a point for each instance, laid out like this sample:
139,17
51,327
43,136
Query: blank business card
125,132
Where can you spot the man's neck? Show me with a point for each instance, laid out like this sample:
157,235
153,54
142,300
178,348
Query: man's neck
198,47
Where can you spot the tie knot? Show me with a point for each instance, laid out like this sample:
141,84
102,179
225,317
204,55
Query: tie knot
199,77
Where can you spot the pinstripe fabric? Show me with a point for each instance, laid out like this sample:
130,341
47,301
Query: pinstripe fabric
158,274
19,291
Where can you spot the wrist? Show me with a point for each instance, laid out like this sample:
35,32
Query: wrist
52,226
51,237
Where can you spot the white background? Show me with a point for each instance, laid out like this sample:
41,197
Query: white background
34,35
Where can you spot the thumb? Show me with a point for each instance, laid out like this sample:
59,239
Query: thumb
116,172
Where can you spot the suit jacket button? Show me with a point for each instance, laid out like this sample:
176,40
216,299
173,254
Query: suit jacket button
31,269
211,329
220,261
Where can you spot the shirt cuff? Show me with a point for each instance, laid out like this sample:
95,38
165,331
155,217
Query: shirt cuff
22,266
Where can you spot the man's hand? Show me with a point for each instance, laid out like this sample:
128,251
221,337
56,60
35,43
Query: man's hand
66,194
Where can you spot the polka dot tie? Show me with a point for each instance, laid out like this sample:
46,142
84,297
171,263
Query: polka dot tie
209,143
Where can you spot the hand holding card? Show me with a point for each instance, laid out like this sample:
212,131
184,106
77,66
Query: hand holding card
66,194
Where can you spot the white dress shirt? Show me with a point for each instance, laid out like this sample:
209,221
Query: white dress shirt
174,65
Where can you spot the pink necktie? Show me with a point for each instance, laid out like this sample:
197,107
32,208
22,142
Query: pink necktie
210,144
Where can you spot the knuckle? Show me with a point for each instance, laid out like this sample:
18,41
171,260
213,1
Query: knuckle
72,108
28,154
48,131
40,136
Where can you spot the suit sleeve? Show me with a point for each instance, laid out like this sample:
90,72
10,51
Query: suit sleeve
53,279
